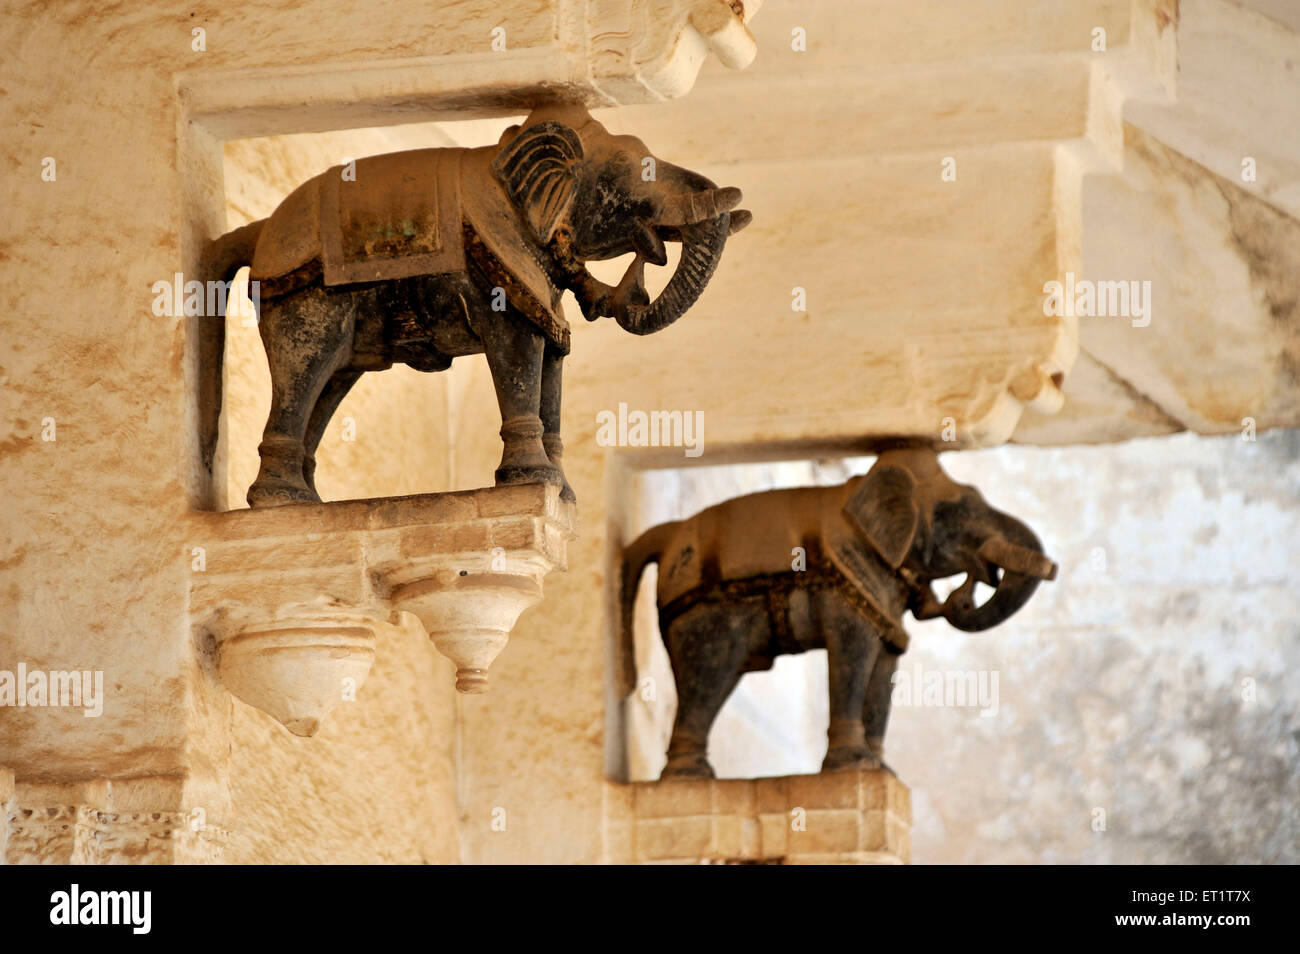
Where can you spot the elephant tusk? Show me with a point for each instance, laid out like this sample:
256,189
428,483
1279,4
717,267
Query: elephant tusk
687,208
1017,559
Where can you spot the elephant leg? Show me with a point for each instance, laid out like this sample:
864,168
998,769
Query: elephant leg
336,389
707,646
851,649
514,356
552,372
307,337
880,690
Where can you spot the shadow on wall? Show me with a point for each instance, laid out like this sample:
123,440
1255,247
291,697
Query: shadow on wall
1145,709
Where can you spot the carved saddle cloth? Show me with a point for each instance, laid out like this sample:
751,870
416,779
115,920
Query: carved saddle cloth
398,219
403,215
744,548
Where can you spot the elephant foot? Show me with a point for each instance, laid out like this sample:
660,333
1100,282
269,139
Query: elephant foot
555,452
278,493
523,458
857,757
687,766
530,474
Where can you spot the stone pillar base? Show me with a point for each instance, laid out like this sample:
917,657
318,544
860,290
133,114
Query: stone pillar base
842,817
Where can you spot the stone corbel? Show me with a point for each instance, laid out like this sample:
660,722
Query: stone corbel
660,45
292,601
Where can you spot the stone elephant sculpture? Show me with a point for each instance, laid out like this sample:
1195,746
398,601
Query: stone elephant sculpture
423,256
786,571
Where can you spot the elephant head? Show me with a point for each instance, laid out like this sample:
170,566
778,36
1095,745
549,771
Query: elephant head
589,196
926,527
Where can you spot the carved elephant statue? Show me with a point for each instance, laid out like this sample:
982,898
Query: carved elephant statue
786,571
423,256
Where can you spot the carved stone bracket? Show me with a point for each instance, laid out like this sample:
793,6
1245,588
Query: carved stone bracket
843,817
660,45
293,600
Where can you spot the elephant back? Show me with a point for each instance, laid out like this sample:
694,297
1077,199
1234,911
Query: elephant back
290,239
754,538
745,538
387,217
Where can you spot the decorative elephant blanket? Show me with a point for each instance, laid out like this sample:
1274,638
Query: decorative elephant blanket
761,537
403,215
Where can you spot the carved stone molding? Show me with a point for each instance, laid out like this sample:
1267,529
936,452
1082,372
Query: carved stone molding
659,45
290,602
842,817
597,52
128,821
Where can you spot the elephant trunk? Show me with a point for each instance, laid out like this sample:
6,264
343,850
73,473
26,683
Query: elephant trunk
702,244
1017,551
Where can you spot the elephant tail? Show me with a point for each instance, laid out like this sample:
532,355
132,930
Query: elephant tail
220,261
647,548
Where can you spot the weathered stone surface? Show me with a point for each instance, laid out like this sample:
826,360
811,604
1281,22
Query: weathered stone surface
123,821
1221,345
97,550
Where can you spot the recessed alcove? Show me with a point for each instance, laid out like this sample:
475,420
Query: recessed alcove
774,723
393,433
1167,636
397,430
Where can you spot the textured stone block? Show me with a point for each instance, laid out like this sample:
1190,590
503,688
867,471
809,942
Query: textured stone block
844,817
687,837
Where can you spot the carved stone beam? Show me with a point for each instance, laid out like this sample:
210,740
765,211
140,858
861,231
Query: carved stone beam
660,45
597,52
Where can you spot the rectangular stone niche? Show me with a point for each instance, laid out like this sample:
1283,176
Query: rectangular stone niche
290,601
843,817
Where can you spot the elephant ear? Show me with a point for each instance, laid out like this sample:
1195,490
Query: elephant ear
884,510
538,168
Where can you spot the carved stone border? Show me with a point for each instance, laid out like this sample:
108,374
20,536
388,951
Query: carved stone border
126,821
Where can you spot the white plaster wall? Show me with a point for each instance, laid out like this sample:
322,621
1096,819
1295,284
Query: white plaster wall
1123,688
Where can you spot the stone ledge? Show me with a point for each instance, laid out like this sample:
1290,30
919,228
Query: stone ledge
290,601
843,817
